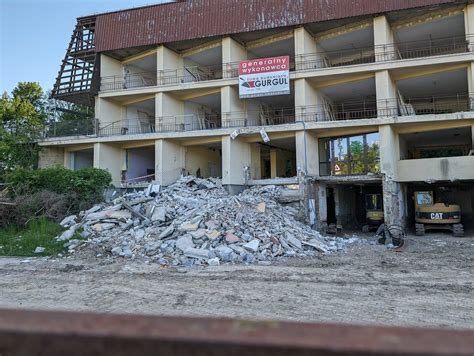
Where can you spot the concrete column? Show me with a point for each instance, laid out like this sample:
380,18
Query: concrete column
383,40
169,111
256,161
169,161
273,163
394,194
232,53
110,66
108,112
472,137
236,155
109,157
386,94
469,25
230,103
307,156
321,206
305,45
308,102
166,59
470,83
50,157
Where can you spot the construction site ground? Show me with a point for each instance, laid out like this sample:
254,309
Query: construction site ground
430,284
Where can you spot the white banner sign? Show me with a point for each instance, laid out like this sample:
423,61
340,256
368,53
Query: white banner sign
264,77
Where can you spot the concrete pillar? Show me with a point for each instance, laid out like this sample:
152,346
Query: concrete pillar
109,157
169,161
230,103
394,194
470,84
472,137
232,53
383,40
108,112
236,156
308,102
273,163
386,94
110,66
306,50
307,157
169,112
50,157
321,206
166,59
469,25
255,161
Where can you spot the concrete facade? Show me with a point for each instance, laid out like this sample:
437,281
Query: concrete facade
348,108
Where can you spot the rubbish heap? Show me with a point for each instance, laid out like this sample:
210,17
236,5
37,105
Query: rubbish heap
195,221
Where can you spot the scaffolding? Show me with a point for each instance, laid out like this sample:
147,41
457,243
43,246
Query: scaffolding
78,77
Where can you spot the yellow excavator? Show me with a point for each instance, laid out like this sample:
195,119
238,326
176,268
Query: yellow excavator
431,215
373,212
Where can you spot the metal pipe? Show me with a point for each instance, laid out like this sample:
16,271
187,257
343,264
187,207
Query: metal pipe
52,333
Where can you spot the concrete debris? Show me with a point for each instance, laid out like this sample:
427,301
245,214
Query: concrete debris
39,249
68,221
195,221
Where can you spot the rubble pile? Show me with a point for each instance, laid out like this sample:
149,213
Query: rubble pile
195,221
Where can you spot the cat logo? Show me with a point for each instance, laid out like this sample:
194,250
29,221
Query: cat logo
436,216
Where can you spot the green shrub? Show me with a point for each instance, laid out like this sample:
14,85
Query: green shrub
53,192
87,183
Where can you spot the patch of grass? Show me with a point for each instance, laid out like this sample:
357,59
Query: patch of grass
23,242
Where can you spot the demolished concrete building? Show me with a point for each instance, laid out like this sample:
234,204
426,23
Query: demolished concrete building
379,100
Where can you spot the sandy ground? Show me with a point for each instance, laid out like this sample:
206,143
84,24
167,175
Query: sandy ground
429,285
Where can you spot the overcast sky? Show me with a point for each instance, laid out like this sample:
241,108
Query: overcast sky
34,35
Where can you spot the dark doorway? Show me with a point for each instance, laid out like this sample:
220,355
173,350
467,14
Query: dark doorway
331,206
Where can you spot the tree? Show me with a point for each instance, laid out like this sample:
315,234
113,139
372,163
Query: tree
22,119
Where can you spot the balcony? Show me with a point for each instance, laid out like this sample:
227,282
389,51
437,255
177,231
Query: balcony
438,169
388,52
266,116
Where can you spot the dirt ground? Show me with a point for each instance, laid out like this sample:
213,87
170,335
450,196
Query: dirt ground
429,285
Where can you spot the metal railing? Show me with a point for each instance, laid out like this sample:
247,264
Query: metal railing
309,61
128,81
388,52
82,127
349,110
177,123
278,116
443,104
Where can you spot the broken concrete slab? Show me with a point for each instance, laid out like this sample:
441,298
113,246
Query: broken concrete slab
189,227
159,214
261,207
252,245
166,232
231,238
213,235
316,244
184,242
197,253
293,241
68,221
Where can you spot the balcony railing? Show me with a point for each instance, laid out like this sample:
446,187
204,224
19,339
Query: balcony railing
388,52
170,123
386,108
128,81
350,110
310,61
279,116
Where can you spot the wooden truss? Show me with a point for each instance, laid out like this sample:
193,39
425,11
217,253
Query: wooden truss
78,77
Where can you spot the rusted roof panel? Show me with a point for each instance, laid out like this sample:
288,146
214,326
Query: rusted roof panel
205,18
